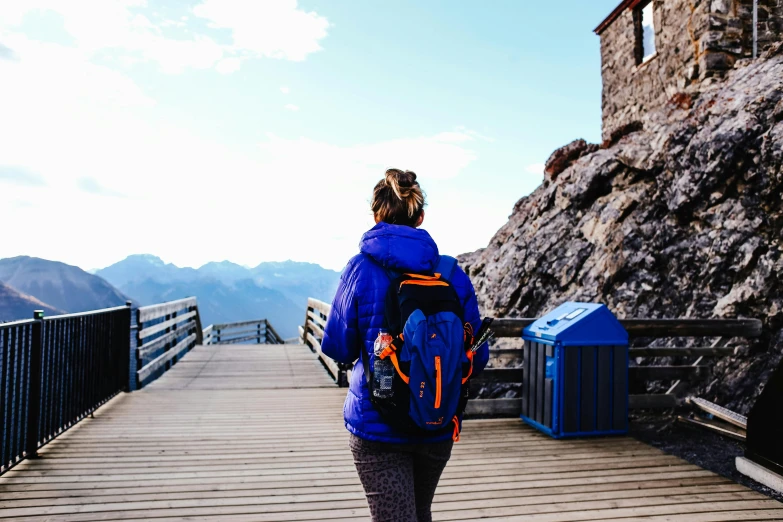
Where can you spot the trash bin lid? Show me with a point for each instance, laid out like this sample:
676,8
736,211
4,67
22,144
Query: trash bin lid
578,324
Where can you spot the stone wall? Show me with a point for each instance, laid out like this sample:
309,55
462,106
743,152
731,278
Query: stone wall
730,33
696,41
631,90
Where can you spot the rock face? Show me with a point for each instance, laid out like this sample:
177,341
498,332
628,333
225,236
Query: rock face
681,219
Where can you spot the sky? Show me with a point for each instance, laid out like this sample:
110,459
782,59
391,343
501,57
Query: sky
251,131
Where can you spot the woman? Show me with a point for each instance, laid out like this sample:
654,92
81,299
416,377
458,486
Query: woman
399,472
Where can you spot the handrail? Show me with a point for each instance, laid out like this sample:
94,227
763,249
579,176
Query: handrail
258,330
54,371
165,333
311,334
655,328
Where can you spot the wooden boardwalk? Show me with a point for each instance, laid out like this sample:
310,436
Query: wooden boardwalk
255,433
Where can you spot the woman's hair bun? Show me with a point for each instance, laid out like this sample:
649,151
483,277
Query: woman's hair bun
400,178
398,198
401,182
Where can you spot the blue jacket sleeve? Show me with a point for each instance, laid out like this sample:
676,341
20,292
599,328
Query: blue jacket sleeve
467,295
341,339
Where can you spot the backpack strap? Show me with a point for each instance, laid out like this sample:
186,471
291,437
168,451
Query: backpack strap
446,267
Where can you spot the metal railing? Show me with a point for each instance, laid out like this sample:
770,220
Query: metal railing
54,371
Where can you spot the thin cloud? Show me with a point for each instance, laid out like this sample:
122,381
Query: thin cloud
292,107
131,30
273,29
20,176
285,90
228,65
92,186
535,168
6,53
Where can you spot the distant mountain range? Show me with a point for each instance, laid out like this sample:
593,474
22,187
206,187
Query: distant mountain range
226,292
15,305
56,287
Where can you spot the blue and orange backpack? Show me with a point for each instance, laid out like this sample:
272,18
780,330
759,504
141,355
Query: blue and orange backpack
430,352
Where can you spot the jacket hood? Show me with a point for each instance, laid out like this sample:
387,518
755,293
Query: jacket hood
398,247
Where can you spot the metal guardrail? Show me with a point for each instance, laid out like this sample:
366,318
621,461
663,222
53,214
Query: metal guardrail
54,371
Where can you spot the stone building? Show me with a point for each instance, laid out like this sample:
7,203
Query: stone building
654,51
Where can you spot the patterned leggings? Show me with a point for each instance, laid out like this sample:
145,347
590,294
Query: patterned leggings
400,479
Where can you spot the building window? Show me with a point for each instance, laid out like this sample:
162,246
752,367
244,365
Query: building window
644,19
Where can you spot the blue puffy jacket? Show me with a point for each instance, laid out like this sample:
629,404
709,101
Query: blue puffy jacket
358,312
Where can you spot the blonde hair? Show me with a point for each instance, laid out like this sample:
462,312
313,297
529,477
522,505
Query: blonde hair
398,198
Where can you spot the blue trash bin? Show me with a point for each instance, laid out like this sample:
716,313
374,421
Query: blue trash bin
575,380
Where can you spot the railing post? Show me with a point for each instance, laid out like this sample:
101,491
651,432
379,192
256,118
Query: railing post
169,344
127,374
139,358
258,335
34,393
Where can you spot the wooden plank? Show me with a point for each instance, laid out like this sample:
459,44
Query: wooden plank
667,373
728,431
160,327
680,386
235,340
148,313
719,412
513,407
236,333
329,363
499,375
659,401
147,348
158,363
315,328
655,328
275,335
658,328
322,307
510,327
227,326
682,352
493,407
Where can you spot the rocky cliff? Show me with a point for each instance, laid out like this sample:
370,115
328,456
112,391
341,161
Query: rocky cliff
676,216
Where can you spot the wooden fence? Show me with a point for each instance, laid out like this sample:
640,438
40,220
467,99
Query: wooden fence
165,332
260,332
722,331
312,334
644,331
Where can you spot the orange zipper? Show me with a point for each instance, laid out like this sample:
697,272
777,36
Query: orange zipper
437,382
423,283
428,278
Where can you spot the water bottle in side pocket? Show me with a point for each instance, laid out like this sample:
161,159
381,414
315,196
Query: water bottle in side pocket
383,369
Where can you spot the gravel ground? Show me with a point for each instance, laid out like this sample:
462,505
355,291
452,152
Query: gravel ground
695,445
